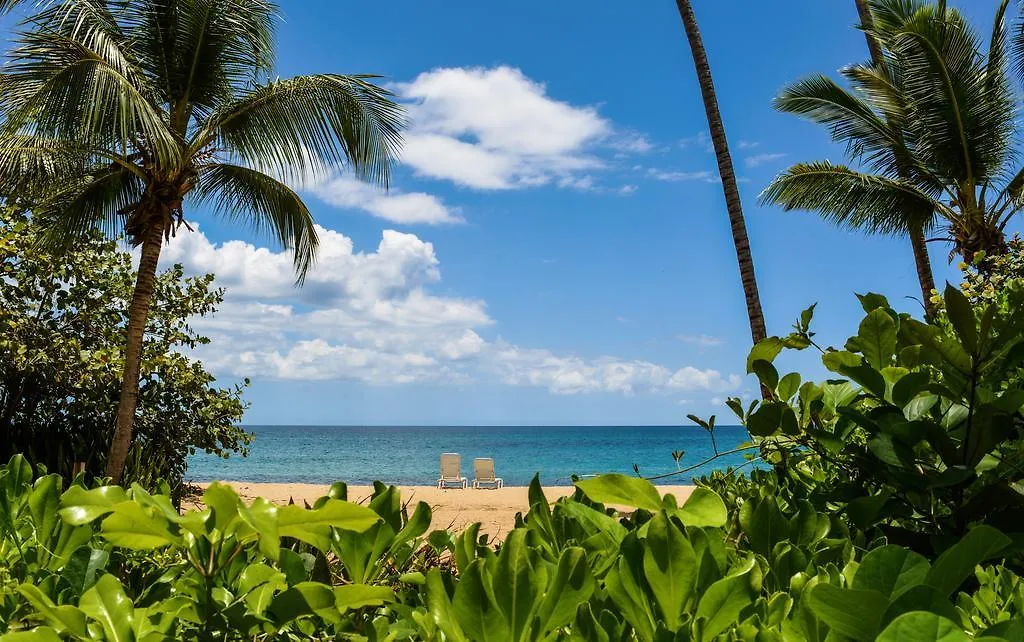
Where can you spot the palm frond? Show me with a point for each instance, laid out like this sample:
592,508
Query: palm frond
58,87
97,199
202,51
850,119
308,126
265,203
964,115
874,204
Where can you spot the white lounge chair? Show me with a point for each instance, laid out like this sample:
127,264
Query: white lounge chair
483,474
451,471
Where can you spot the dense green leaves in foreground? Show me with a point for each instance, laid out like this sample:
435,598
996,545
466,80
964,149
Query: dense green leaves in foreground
109,563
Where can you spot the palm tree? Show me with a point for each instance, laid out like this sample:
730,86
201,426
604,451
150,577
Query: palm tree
917,237
725,169
119,114
934,131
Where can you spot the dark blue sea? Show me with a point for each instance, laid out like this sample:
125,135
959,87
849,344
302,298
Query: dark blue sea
410,454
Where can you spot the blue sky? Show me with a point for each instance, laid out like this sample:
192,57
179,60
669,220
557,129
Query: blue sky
555,249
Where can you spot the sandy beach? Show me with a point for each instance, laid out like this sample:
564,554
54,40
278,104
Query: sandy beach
453,508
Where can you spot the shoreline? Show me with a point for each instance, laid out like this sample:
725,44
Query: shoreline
453,508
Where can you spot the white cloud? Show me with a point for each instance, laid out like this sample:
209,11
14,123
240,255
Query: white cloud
397,207
626,190
705,340
575,375
700,140
631,143
494,128
760,159
673,176
370,316
747,144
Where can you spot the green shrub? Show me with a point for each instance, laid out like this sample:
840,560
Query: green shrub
108,563
921,437
63,321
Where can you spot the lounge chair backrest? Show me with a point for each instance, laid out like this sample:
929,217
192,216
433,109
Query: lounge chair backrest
483,468
451,466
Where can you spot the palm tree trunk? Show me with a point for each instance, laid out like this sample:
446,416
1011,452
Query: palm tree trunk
725,169
138,313
924,269
917,242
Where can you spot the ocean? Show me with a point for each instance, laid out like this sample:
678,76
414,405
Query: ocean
410,455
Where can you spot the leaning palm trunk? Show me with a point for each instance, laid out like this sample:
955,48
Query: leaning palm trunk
138,314
725,169
917,239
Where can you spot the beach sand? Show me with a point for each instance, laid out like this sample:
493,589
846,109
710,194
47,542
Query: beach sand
452,508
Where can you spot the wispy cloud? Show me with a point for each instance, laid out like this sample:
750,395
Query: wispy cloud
760,159
704,340
675,177
747,144
700,140
626,190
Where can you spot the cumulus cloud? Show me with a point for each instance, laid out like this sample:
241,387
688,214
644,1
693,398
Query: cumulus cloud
370,316
395,206
574,375
495,128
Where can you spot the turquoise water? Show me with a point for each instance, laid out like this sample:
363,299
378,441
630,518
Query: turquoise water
410,454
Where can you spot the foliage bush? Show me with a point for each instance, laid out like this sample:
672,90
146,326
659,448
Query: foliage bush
63,321
108,563
920,436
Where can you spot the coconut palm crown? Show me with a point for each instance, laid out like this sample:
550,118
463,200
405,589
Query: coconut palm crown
932,130
123,113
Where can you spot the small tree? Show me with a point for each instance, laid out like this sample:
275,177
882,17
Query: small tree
63,320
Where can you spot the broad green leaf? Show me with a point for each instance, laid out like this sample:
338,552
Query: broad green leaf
357,596
570,586
789,385
61,618
107,603
43,502
703,508
224,502
314,526
139,528
38,634
764,350
921,626
856,614
765,421
440,607
474,608
670,565
258,583
722,602
876,338
961,317
629,597
766,373
81,506
920,598
305,598
872,301
958,561
621,489
766,526
890,570
517,588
